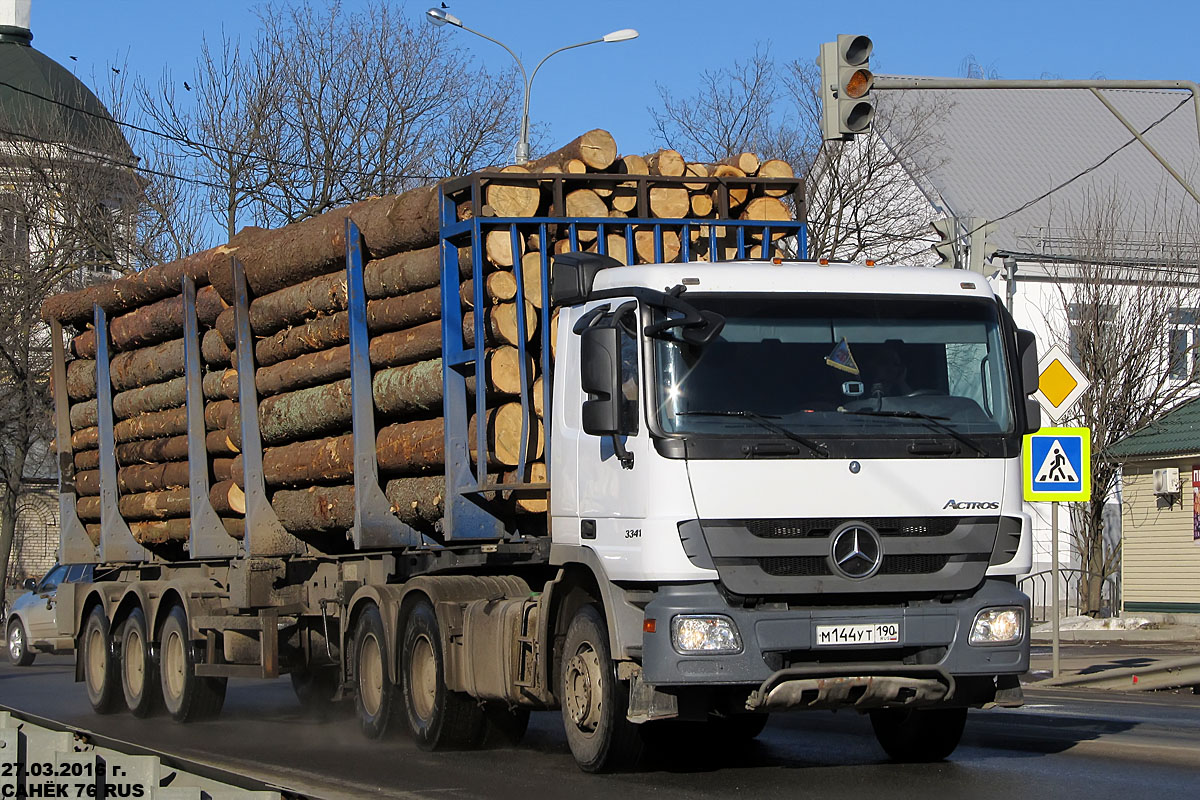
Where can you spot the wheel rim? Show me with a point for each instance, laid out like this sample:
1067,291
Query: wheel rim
95,659
16,647
134,662
174,663
370,675
583,689
423,674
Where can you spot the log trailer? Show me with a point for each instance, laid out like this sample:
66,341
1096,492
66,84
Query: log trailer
714,505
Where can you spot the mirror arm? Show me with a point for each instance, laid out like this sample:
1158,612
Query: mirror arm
623,455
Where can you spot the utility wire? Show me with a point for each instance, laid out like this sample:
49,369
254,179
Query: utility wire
128,165
215,147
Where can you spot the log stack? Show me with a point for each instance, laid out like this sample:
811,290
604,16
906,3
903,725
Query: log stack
300,338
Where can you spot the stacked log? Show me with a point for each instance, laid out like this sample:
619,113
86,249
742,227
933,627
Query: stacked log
300,332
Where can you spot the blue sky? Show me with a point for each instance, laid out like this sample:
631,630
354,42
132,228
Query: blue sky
679,40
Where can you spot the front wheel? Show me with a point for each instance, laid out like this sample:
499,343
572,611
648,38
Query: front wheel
594,702
918,735
19,654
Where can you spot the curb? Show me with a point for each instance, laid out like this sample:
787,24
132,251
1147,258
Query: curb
1149,635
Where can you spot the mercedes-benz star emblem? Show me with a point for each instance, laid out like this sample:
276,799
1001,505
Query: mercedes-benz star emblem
856,551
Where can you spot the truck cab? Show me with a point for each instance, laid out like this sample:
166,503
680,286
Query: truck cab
800,484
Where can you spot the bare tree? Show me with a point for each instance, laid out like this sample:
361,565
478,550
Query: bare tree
67,212
325,107
739,108
1131,273
862,197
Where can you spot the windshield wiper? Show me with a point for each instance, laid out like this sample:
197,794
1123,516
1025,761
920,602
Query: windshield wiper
935,423
765,422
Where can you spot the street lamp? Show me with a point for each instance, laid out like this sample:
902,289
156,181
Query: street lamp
439,17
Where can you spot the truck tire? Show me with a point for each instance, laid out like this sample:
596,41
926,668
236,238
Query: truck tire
918,735
139,671
375,695
187,696
594,702
19,654
101,668
438,718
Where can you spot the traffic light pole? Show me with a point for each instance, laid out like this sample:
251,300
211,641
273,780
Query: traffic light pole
1094,86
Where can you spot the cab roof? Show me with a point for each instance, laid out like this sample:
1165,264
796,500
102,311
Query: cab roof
808,277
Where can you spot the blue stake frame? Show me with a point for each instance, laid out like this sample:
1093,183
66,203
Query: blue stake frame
470,513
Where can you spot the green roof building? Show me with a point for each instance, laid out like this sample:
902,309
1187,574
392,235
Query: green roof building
1160,515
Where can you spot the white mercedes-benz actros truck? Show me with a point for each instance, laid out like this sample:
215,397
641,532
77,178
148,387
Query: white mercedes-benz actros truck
764,486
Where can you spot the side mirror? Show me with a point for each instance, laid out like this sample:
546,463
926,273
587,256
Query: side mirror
1027,351
29,584
573,274
600,377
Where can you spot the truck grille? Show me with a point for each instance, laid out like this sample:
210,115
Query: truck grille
790,556
817,528
819,565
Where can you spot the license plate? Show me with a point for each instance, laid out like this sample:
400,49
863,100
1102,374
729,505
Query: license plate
871,633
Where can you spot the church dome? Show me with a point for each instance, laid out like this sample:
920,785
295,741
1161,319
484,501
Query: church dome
40,99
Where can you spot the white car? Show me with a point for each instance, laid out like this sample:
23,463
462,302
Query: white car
31,625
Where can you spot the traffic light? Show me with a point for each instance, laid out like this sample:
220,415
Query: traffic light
947,249
846,80
981,249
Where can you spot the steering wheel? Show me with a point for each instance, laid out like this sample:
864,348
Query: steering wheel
922,392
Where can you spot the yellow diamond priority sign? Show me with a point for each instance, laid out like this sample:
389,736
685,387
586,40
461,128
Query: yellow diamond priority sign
1060,383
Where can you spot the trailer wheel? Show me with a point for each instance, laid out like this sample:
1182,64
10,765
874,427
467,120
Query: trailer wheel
594,702
375,695
100,665
918,735
19,654
187,696
438,718
139,672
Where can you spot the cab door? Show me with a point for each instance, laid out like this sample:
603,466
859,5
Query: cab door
613,483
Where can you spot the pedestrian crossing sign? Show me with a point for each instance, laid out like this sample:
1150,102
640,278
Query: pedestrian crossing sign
1057,464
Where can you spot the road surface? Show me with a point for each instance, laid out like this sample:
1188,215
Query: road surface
1061,744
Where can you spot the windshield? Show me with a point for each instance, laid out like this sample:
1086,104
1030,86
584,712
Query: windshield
838,366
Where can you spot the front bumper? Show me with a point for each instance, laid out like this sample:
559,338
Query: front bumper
778,641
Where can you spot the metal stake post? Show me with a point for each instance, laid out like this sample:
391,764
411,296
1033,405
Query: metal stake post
1055,665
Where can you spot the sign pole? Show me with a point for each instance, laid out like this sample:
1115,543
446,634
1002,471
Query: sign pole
1054,588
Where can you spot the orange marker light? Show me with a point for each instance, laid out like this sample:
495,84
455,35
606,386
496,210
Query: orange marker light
824,262
649,626
777,261
870,262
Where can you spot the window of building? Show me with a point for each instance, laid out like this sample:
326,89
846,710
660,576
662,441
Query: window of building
1183,344
14,231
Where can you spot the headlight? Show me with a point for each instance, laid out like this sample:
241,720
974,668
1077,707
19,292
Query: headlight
998,626
705,634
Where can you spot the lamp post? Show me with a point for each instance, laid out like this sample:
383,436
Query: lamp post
439,17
